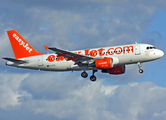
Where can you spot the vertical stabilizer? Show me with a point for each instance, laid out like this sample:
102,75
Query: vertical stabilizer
21,47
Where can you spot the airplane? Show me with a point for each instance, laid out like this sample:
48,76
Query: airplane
111,60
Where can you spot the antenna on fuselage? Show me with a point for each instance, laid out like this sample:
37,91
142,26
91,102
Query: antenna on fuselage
136,42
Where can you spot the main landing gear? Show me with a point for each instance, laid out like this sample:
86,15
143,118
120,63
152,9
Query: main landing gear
140,70
84,74
92,78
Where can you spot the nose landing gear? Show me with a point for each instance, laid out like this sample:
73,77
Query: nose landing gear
140,70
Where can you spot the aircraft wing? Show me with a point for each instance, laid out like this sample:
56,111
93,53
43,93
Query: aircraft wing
70,55
15,60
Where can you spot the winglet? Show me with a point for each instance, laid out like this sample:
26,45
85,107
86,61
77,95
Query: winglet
46,47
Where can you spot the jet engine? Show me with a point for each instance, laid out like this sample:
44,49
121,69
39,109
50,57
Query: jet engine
104,63
115,70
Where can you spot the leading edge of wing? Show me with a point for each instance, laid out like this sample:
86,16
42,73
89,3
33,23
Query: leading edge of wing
68,54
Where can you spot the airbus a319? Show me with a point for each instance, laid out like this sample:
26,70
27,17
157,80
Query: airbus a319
111,60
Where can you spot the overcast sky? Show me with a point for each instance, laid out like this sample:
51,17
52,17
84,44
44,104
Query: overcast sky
81,24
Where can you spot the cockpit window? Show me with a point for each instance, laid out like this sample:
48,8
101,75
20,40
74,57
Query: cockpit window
150,47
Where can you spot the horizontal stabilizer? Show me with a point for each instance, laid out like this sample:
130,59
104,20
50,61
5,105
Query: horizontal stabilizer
16,60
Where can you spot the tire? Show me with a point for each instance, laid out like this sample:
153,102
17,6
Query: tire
93,78
141,71
84,74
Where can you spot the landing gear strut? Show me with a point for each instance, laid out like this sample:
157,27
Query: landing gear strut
93,77
140,70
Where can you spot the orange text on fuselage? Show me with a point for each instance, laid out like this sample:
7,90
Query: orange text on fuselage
94,53
110,51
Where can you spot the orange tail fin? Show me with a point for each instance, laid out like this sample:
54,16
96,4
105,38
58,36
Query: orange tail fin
20,46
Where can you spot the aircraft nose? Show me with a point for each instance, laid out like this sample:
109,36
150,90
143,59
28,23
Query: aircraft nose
161,53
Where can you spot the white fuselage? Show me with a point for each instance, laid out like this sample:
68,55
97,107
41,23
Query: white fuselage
122,55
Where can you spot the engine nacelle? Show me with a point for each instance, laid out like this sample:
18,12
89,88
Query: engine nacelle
115,70
104,63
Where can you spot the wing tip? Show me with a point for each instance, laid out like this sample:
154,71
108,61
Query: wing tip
46,47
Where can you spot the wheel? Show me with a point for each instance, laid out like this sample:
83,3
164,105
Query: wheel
93,78
84,74
141,71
